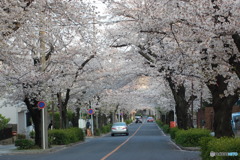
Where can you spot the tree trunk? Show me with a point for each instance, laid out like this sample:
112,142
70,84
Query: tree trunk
64,117
76,118
182,115
233,61
222,106
222,117
36,118
60,105
63,108
182,105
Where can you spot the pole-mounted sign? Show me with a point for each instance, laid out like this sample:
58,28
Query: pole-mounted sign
90,111
41,104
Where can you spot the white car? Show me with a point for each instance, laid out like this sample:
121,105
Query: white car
119,128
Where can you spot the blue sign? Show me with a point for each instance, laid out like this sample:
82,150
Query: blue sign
90,111
41,104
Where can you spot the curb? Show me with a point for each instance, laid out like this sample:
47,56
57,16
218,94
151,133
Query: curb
38,151
185,148
179,146
55,148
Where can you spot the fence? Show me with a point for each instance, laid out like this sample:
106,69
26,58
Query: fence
5,133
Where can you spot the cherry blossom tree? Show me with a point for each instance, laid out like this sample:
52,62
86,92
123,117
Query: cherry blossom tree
200,36
46,53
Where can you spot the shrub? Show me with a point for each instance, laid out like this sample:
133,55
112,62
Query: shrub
165,128
128,121
65,136
56,119
106,128
223,144
24,143
191,137
97,132
173,132
32,134
204,145
160,123
3,121
21,136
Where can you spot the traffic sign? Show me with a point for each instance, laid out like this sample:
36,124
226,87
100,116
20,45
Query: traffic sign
41,104
90,111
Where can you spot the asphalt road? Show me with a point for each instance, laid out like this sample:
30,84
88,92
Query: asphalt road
145,142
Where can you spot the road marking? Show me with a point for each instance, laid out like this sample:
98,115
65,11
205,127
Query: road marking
161,130
118,147
176,145
170,139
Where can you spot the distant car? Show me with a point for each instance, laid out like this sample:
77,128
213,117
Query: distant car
119,128
150,119
138,120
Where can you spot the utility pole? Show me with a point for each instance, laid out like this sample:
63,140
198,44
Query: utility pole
119,115
192,105
92,125
44,110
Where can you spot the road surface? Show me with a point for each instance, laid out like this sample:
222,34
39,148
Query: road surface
145,142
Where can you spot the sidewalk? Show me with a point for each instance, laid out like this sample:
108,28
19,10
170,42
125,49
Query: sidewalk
11,149
7,148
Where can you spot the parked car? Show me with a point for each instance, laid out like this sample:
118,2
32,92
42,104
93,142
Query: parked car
119,128
235,122
150,119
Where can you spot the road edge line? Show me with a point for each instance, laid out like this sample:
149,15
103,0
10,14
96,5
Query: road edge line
170,139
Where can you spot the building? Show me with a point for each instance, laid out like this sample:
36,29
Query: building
19,117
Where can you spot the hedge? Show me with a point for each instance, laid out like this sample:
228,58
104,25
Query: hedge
106,128
191,137
128,121
165,128
224,144
204,146
97,132
160,123
173,132
24,143
65,136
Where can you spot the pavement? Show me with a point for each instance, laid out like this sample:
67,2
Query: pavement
11,149
7,148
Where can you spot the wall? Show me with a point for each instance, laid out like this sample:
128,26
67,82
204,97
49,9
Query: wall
207,115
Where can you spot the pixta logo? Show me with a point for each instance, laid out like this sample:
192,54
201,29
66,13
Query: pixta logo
212,154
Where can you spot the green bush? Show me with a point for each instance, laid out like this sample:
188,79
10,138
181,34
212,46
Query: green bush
128,121
106,128
160,123
166,128
3,121
21,136
224,144
32,134
97,132
56,119
173,132
191,137
65,136
24,143
204,145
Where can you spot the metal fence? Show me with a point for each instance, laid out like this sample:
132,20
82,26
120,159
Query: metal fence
5,133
